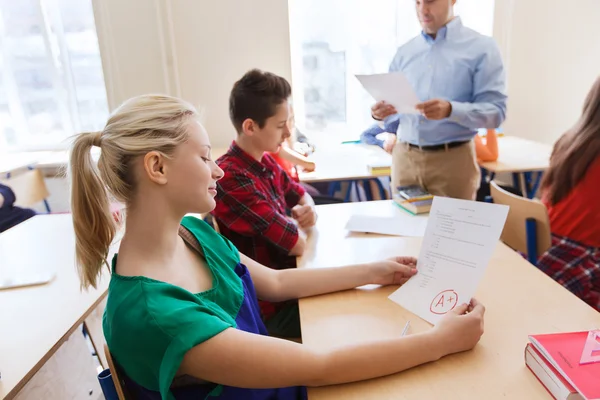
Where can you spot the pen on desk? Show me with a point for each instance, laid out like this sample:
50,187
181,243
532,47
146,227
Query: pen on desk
405,328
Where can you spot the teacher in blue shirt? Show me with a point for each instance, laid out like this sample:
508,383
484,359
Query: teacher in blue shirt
458,75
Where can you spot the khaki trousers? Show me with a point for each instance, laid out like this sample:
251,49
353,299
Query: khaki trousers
452,172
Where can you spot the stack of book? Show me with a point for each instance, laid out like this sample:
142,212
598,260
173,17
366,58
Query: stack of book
414,199
378,167
567,364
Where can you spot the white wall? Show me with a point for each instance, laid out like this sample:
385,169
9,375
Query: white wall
195,49
217,42
552,53
131,36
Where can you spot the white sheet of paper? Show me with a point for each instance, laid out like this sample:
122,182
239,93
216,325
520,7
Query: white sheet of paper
392,88
383,136
399,225
379,162
459,241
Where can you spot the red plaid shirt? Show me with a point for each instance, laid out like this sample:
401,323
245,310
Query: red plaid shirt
575,266
253,201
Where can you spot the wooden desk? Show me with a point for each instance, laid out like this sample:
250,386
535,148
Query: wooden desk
10,163
60,159
522,158
345,162
520,300
35,321
52,162
349,163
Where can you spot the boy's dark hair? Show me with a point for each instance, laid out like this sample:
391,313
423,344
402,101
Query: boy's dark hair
256,96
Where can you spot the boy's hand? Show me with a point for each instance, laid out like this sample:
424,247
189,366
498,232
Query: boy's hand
305,215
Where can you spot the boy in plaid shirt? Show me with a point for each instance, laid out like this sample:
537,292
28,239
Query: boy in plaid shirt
259,207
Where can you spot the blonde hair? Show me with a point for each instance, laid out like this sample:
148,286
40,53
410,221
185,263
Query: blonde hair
140,125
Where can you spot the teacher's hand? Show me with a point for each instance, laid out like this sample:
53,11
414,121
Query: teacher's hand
305,215
382,110
435,109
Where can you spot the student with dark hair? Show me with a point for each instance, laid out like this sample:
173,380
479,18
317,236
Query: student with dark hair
570,190
263,211
9,214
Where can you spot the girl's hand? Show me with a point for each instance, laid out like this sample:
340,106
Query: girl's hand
393,271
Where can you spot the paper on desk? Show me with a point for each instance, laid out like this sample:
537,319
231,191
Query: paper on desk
399,225
379,162
458,244
393,88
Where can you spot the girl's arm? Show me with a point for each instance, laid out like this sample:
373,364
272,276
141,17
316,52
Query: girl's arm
297,159
242,359
280,285
489,150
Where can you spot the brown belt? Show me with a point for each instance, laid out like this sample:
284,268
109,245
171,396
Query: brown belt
438,147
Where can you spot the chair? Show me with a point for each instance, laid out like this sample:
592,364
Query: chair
527,227
212,221
29,188
117,380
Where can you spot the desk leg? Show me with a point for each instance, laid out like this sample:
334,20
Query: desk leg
348,192
536,183
528,183
332,188
516,178
357,187
484,175
521,183
532,182
382,193
93,325
367,188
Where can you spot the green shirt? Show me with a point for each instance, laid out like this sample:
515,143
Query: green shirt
149,325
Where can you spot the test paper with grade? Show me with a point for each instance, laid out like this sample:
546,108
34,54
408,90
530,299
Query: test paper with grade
459,241
393,88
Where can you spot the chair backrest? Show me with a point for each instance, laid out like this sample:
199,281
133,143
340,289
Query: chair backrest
215,225
29,188
522,209
114,373
208,218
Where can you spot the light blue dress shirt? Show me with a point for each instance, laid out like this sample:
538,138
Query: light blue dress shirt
461,66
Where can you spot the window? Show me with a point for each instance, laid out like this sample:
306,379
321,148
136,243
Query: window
333,40
51,81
